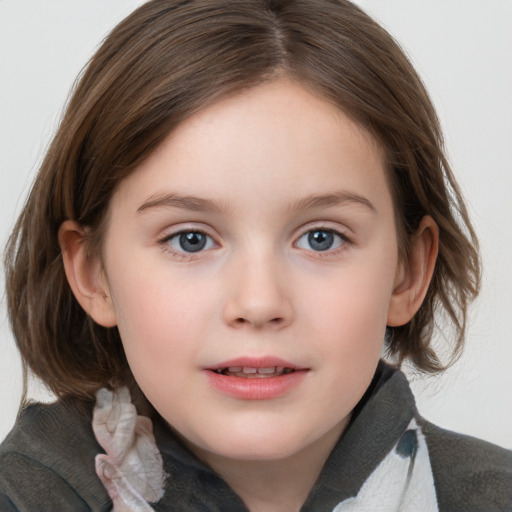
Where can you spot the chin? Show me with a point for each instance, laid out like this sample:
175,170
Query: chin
258,453
255,446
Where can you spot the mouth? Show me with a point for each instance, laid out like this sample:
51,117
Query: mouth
256,378
252,372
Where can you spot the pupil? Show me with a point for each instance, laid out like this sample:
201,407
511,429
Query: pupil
192,241
320,240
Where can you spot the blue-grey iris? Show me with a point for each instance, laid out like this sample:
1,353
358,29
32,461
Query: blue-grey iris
192,241
320,240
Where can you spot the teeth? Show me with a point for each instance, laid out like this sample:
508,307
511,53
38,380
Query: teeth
249,371
267,370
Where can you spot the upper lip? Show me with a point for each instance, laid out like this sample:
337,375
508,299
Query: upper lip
255,362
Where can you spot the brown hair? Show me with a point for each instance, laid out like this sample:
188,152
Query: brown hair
164,62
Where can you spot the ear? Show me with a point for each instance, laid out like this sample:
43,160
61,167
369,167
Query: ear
414,275
85,275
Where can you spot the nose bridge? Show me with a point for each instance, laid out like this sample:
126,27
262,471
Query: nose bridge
259,294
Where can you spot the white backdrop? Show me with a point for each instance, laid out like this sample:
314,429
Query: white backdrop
462,49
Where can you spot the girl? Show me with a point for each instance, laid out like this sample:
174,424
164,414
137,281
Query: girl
243,201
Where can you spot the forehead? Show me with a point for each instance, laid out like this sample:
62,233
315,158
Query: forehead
277,137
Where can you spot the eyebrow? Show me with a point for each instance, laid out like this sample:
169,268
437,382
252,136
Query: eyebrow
190,203
335,199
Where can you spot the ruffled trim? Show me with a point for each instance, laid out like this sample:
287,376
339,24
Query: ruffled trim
132,468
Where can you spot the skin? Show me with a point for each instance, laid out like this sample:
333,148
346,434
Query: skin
261,160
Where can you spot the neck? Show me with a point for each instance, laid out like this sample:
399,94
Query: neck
280,485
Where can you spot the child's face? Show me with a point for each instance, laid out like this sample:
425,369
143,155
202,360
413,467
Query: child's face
259,235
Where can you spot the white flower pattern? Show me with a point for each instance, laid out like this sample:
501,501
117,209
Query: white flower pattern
402,482
131,469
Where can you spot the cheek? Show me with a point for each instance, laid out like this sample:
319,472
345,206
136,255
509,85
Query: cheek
354,325
159,319
352,309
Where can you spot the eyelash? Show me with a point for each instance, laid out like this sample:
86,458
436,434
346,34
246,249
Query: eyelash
187,256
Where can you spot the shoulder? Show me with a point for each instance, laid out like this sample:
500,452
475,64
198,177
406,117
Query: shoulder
48,459
469,474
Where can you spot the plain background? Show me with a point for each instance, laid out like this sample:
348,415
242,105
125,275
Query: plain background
462,49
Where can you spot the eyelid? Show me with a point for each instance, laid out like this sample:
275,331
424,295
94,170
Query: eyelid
341,230
185,227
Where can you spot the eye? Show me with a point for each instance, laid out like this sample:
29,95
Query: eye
320,240
190,241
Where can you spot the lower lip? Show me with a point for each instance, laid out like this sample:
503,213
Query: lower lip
256,388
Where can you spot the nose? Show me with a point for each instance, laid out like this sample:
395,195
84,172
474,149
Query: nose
259,295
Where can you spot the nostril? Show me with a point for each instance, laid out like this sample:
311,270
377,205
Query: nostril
242,321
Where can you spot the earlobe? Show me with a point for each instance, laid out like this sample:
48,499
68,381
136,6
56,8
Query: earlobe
85,275
414,275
